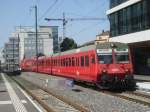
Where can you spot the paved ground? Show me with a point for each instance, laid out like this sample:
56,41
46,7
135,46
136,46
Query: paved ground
143,82
142,77
13,99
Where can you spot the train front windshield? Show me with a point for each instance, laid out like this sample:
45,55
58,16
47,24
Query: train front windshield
122,56
104,56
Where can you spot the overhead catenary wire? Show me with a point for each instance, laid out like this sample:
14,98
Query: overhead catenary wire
84,29
49,8
65,21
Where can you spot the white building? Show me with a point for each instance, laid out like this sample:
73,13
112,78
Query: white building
27,44
130,23
2,55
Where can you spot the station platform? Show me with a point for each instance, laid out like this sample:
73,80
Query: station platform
15,99
145,78
143,82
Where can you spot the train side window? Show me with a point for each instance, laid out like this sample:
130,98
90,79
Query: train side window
69,61
66,62
82,60
46,62
93,59
86,60
61,62
58,62
78,62
49,62
73,61
42,62
54,62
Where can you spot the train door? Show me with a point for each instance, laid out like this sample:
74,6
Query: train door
77,69
82,70
92,66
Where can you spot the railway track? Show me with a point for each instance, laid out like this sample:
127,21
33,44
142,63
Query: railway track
135,96
49,100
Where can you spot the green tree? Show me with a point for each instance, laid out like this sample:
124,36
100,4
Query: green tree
68,44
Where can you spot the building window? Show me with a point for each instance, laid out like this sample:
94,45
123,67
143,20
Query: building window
131,19
114,3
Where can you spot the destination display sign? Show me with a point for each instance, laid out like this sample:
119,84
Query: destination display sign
121,50
104,50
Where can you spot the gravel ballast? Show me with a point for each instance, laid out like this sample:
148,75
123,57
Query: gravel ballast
93,100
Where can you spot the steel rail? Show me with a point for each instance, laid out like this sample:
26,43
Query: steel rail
42,103
130,97
69,102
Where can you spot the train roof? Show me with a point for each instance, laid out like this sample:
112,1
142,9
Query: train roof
105,45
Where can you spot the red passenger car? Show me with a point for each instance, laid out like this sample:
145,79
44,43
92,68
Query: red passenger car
108,64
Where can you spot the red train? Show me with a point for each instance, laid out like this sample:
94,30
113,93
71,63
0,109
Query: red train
108,64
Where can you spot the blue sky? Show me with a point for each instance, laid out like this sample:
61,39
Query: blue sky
20,12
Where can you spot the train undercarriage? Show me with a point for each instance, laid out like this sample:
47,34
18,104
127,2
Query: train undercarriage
115,83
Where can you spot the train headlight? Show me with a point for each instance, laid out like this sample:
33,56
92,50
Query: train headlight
127,71
104,71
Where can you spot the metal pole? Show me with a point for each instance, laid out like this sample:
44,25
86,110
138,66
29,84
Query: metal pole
64,25
18,51
36,35
13,57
